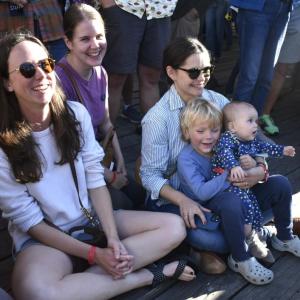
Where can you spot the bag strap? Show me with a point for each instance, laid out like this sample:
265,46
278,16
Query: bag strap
110,134
73,81
108,138
90,217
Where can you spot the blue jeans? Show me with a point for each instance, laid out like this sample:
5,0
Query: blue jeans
261,35
274,194
214,27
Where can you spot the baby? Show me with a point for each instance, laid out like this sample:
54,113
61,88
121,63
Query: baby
240,120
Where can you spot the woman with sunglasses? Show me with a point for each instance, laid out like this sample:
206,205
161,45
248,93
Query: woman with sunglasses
188,67
41,137
86,42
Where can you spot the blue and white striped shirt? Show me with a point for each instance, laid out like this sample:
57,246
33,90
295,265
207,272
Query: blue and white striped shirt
162,142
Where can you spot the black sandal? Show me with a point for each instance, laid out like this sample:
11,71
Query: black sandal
157,269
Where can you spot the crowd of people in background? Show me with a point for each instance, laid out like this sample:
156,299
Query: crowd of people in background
67,69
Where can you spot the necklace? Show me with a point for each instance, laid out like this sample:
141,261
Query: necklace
38,126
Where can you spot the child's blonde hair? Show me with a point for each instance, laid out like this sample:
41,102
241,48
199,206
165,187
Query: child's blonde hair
231,111
199,109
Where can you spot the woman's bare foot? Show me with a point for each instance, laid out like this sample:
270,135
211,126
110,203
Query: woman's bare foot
175,270
188,273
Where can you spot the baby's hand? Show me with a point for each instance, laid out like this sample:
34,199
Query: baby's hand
237,173
289,151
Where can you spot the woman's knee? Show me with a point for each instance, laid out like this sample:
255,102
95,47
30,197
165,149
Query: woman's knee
175,228
30,287
37,273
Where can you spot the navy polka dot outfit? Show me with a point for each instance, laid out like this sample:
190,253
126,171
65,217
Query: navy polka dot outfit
226,156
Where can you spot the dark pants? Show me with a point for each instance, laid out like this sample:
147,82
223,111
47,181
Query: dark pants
275,194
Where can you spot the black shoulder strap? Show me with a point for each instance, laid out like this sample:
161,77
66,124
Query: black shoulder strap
93,220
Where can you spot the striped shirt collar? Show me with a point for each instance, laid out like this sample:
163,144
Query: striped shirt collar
175,101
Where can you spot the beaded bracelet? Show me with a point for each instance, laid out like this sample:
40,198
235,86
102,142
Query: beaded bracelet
266,172
91,255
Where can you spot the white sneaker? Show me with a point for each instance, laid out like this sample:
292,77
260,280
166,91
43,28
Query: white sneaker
251,270
292,246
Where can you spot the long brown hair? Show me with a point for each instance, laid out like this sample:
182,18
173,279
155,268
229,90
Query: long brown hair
16,138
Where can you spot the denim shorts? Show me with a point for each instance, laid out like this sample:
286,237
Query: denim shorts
290,53
132,41
79,264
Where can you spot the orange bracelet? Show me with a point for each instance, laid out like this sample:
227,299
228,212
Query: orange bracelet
91,255
113,178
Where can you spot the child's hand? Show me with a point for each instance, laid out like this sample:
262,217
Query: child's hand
237,173
247,162
289,151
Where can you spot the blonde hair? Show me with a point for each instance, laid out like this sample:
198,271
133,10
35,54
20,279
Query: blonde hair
199,109
231,111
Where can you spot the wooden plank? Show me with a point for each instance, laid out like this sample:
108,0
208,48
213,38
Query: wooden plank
206,287
284,286
146,293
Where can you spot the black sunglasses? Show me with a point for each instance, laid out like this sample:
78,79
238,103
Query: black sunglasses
194,73
28,69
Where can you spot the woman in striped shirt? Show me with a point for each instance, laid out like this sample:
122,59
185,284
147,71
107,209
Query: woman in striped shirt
188,66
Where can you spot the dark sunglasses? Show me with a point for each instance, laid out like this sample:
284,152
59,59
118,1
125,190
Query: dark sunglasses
28,69
194,73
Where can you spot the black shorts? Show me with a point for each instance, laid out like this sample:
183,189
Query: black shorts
132,41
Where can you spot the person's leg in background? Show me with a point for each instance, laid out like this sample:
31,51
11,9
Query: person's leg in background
214,28
229,88
253,28
187,25
129,111
220,24
279,19
229,16
258,47
124,32
281,73
289,56
156,36
210,29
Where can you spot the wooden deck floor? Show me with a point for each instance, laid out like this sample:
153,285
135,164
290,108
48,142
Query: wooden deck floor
228,285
